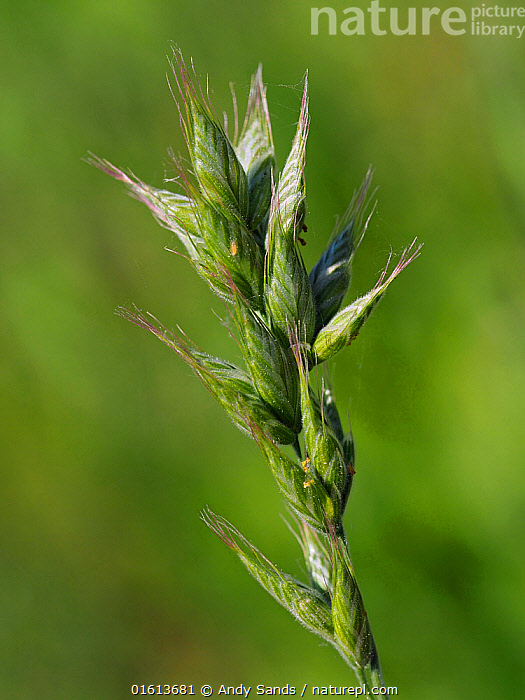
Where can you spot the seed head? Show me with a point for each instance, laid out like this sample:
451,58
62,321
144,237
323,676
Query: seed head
240,224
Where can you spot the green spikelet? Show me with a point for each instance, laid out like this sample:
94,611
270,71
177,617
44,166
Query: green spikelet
324,453
305,494
220,175
229,254
256,153
352,629
229,385
306,604
330,278
273,373
288,293
317,557
330,414
175,212
345,325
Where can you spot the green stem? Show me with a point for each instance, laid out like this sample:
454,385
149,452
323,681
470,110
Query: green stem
376,674
361,674
371,675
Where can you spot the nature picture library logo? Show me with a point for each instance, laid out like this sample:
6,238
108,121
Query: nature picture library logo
480,20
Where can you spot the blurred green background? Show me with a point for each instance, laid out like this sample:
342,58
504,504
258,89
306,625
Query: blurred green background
110,447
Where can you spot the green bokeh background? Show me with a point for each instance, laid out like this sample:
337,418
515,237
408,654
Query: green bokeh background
110,447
